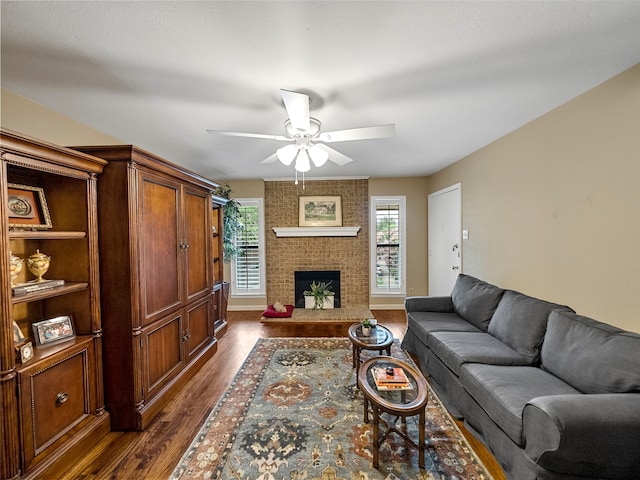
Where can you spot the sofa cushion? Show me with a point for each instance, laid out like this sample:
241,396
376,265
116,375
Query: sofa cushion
520,321
457,348
591,356
503,392
475,300
423,323
428,304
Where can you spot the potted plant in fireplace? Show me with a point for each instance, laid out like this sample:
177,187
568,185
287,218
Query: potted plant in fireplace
320,296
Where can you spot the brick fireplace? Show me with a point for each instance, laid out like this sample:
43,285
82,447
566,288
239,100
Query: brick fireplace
348,255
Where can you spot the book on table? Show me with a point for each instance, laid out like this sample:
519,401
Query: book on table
395,379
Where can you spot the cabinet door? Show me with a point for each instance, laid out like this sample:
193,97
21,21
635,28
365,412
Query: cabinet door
159,246
162,353
55,400
199,332
198,234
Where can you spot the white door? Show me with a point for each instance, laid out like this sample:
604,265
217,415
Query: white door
445,245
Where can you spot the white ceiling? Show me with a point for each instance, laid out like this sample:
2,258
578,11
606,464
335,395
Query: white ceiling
453,76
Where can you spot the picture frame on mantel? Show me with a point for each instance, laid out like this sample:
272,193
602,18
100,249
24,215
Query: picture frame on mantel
320,211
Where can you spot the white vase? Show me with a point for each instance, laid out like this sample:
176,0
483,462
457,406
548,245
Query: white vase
366,331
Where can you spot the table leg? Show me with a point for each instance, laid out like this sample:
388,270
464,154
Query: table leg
421,446
376,436
354,355
356,358
366,410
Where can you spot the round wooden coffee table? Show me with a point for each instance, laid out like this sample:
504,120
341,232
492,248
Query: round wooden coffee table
398,403
380,339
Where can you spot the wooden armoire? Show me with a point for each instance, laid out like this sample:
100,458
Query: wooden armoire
51,397
160,271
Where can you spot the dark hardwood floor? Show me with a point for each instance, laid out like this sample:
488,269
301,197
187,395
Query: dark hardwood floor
154,453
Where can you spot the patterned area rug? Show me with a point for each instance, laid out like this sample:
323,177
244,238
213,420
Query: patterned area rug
293,412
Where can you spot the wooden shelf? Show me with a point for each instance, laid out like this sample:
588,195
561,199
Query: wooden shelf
45,235
41,352
68,287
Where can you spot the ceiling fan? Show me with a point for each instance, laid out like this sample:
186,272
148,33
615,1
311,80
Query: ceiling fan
307,141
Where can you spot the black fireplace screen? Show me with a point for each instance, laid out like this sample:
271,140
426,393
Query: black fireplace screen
303,281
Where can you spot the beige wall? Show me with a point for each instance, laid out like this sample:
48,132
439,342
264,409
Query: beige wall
553,209
29,118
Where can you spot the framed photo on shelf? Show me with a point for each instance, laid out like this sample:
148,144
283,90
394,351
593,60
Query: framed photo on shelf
27,207
55,330
320,211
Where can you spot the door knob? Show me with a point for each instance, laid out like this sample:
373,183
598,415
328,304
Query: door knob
455,267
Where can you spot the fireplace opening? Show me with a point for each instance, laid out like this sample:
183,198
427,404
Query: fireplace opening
303,280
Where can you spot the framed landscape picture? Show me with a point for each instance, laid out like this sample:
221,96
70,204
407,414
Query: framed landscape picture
320,211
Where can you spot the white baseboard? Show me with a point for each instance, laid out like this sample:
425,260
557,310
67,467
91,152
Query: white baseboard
387,306
246,308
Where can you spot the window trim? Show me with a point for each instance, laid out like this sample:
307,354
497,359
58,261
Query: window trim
374,290
262,291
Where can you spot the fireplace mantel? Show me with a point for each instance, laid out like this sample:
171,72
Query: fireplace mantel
316,231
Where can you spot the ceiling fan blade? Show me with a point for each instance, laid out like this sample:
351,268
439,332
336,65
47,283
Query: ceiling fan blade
297,105
363,133
250,135
334,155
271,159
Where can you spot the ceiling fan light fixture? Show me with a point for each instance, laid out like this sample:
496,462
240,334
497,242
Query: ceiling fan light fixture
318,155
302,161
287,154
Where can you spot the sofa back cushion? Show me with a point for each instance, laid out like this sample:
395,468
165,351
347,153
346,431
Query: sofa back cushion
592,357
520,321
475,300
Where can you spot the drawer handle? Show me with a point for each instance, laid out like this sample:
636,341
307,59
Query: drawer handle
62,397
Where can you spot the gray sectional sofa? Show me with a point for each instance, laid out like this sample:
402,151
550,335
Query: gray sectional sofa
552,394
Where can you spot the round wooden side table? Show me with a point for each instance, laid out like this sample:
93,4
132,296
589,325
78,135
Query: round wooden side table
396,402
380,339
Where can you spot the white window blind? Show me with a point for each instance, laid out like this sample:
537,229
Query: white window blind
248,266
388,245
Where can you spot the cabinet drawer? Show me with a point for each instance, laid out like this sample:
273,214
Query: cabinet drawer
55,399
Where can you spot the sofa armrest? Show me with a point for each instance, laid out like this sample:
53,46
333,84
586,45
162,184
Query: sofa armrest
584,435
428,304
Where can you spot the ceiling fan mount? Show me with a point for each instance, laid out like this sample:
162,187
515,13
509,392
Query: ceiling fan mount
314,128
306,140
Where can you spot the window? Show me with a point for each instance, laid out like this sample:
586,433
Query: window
388,246
247,269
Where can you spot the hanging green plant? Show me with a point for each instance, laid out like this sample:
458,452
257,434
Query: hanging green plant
231,224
